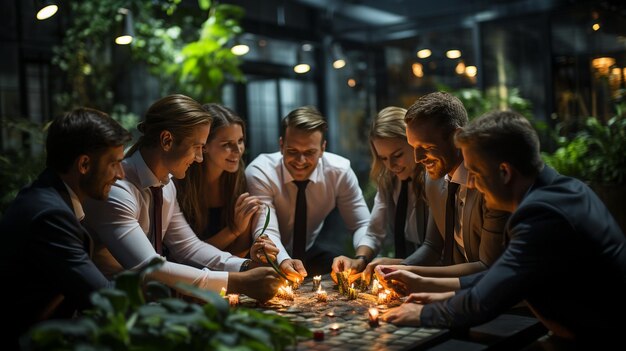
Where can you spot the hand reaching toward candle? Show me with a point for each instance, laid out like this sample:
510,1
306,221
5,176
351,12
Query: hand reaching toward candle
405,314
369,269
259,283
343,263
425,298
293,269
393,278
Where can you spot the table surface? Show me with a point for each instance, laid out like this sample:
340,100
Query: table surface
354,332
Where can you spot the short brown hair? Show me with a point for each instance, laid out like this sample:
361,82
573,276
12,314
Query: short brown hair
306,118
443,109
504,136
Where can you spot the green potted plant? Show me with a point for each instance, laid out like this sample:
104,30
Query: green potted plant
133,316
596,155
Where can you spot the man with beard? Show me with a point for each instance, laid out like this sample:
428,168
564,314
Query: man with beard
463,236
566,255
47,257
142,219
302,184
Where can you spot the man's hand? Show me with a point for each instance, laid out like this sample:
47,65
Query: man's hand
263,242
405,314
425,298
399,280
354,265
369,270
259,283
293,269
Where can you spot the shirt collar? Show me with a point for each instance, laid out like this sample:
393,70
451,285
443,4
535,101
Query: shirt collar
459,176
78,207
146,177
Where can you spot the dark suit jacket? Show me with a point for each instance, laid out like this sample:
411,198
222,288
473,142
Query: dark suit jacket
483,229
566,257
45,254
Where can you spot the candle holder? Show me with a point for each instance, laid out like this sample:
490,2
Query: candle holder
373,317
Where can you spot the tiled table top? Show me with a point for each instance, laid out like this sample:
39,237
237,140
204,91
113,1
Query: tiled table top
349,318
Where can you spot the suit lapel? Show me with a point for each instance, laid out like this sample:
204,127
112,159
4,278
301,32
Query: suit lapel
470,202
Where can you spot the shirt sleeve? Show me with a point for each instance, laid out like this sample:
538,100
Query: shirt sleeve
185,246
115,222
379,222
259,185
354,211
525,262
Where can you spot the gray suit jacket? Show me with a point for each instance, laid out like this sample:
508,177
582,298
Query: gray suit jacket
482,228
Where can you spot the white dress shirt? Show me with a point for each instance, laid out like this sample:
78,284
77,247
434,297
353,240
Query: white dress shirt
460,177
332,184
122,226
383,217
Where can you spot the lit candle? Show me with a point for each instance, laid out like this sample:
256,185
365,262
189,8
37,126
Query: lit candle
321,295
375,286
286,292
373,316
233,299
352,294
330,314
317,280
382,298
223,292
296,284
334,327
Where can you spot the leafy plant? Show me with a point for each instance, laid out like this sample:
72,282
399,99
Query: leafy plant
594,154
130,317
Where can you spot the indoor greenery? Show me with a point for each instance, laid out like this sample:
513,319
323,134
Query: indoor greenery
136,317
596,152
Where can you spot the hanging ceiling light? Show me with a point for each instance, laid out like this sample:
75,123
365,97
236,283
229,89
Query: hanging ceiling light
453,54
338,57
46,9
240,48
128,31
424,53
303,59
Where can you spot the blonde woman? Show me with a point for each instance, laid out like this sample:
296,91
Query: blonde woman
394,168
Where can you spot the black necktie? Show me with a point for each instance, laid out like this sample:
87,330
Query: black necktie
157,210
401,208
450,219
299,224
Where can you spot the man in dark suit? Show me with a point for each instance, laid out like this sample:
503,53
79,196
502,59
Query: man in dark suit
566,255
45,264
465,237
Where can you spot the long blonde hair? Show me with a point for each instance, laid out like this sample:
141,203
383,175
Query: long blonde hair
389,124
193,191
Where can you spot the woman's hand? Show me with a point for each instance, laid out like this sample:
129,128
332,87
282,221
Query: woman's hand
245,207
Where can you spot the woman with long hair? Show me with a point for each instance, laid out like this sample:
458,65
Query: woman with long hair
213,196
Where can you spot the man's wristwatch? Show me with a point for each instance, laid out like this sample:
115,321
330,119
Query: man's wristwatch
363,257
245,265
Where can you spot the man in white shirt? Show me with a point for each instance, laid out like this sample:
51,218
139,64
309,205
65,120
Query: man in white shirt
175,130
327,182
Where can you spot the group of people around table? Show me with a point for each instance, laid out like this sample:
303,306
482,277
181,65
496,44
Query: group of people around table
478,222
